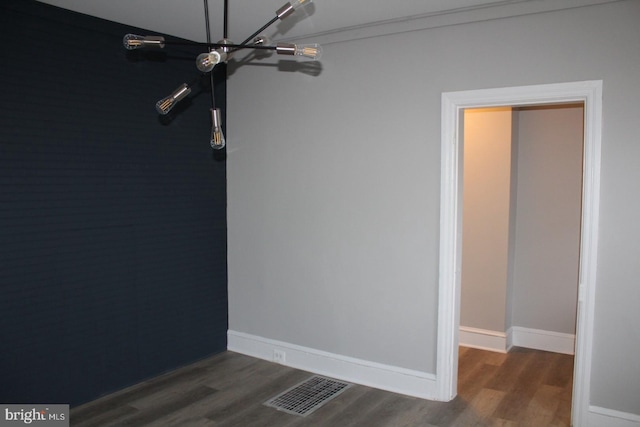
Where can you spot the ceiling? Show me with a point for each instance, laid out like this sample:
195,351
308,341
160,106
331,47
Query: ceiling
185,18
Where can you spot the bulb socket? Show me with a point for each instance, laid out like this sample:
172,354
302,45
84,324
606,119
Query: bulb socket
226,50
285,11
286,49
216,118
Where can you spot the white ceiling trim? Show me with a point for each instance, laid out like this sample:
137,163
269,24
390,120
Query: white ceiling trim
486,12
330,20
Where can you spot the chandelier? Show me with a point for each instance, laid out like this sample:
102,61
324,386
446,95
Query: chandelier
221,52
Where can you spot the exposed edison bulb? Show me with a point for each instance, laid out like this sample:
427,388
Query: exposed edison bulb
299,3
290,7
134,41
166,104
205,62
217,137
311,51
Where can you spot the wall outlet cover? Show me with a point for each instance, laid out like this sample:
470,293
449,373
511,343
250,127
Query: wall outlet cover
279,356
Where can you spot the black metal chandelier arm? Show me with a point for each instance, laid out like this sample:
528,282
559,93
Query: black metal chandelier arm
225,30
219,45
250,38
235,47
208,31
206,20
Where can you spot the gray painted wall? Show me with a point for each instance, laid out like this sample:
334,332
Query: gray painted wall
334,184
547,249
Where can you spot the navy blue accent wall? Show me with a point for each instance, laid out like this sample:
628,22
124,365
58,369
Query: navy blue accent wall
112,220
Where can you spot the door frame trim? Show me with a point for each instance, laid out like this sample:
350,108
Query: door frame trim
453,104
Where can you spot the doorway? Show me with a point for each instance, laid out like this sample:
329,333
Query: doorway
453,104
522,191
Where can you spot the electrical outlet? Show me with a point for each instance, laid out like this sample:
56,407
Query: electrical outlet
279,356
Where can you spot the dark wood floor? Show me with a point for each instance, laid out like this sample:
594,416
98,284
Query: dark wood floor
522,388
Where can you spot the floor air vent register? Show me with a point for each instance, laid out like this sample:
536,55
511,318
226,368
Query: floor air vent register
307,396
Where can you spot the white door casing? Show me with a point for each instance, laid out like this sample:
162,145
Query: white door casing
453,104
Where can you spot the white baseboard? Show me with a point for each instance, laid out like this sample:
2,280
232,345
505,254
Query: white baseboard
483,339
519,337
372,374
542,340
603,417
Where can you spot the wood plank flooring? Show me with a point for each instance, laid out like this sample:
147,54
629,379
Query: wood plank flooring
522,388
